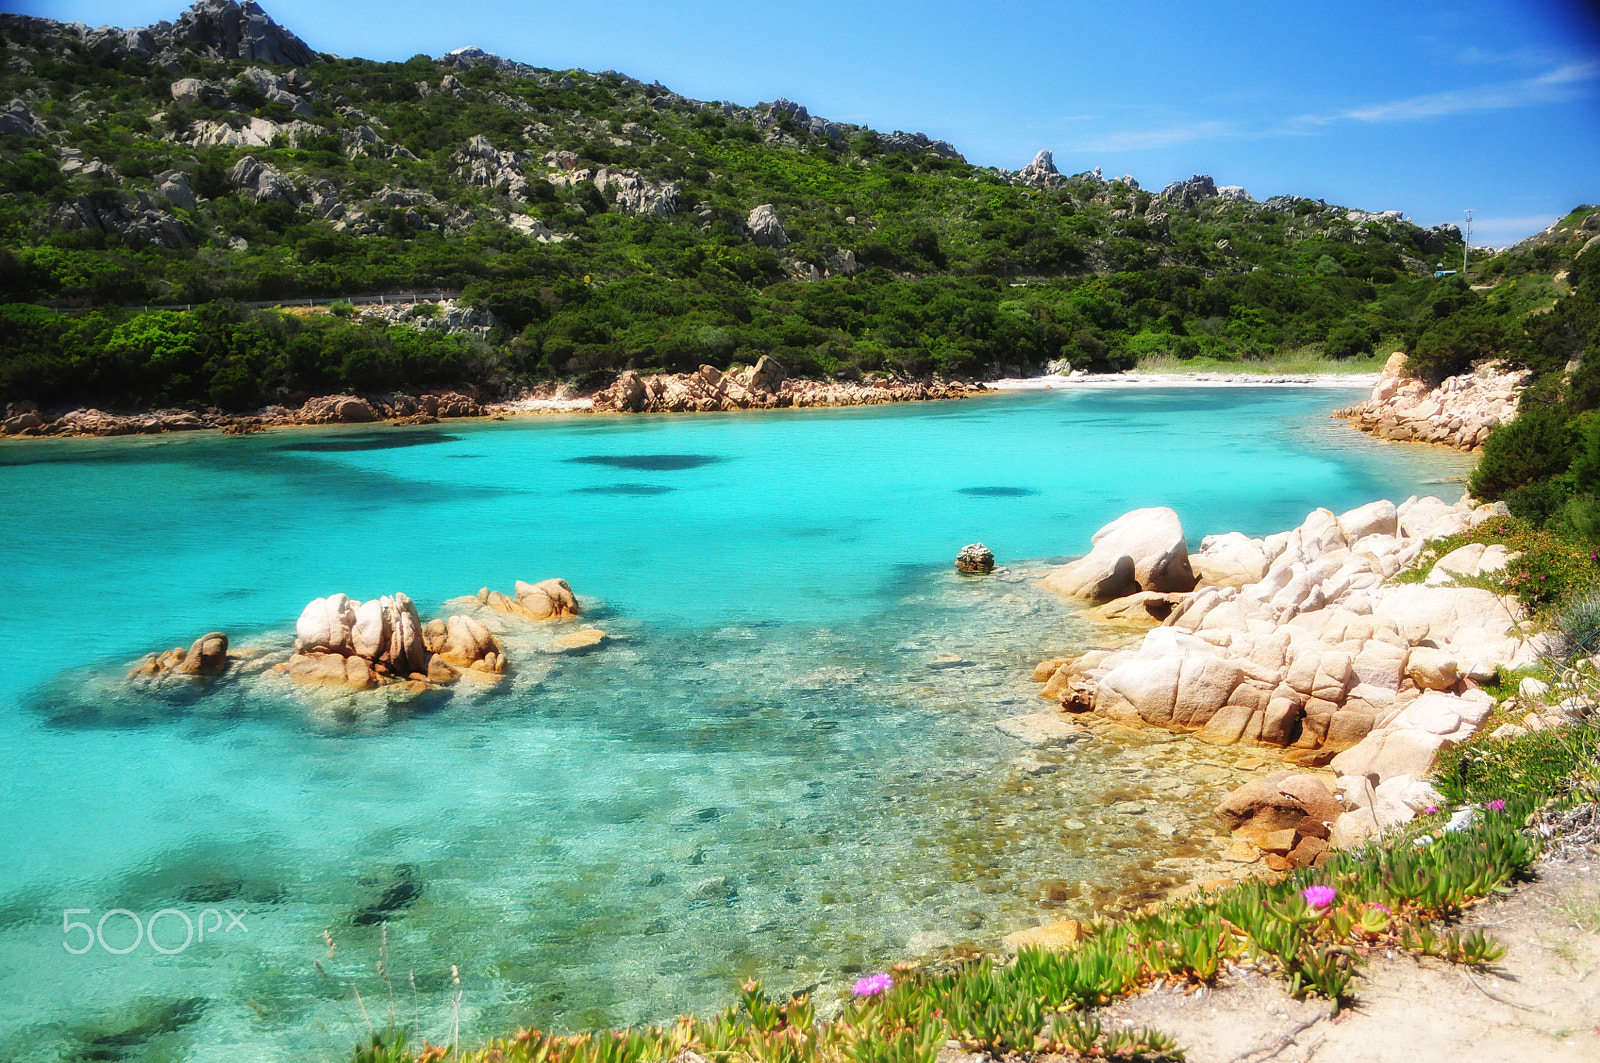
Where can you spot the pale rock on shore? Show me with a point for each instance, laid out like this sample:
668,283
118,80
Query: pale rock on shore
1143,550
25,419
1459,413
766,385
1297,643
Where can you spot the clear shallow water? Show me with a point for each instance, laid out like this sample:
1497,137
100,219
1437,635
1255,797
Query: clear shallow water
766,772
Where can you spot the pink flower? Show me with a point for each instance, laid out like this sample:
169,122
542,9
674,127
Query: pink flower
1319,896
1432,810
874,984
1496,806
1384,908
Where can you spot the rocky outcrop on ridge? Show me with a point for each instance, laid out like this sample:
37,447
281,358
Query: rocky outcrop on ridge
216,29
1041,172
765,228
762,386
1318,655
1459,413
137,218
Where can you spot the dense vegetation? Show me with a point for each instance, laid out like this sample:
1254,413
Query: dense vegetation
958,270
1546,462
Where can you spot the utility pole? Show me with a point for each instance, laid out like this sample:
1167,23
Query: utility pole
1466,244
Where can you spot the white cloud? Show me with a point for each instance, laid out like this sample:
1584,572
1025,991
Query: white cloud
1566,82
1502,232
1168,137
1563,83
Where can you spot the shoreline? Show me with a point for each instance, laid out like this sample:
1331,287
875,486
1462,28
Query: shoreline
399,409
1203,379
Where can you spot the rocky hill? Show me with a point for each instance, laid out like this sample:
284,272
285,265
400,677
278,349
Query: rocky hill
598,223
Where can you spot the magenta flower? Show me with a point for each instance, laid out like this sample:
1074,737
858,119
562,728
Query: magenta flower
1384,908
1496,806
1319,896
874,984
1432,810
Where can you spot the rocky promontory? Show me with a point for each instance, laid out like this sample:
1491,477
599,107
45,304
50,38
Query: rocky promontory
1459,413
1300,643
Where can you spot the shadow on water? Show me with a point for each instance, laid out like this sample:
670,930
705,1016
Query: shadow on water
623,489
367,441
651,462
997,492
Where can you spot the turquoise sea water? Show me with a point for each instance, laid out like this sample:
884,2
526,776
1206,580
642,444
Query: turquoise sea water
776,767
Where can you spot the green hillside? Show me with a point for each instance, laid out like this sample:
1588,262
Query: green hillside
608,224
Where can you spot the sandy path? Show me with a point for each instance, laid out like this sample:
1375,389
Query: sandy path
1540,1002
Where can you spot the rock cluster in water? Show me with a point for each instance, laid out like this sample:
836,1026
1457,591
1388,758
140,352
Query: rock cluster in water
1459,413
1298,643
383,643
380,641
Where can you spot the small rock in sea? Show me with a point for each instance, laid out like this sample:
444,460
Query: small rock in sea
1128,808
1249,763
975,557
949,660
1075,824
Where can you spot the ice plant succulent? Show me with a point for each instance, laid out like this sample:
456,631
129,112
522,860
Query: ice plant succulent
874,984
1319,896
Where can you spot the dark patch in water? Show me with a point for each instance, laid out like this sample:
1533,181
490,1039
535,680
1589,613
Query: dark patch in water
997,492
705,815
239,592
148,1023
212,892
623,489
400,891
652,462
367,441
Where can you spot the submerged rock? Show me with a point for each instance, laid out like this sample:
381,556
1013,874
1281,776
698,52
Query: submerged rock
574,642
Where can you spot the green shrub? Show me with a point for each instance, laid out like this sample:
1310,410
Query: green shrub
1558,761
1537,445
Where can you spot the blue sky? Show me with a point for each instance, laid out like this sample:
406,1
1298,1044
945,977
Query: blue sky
1424,107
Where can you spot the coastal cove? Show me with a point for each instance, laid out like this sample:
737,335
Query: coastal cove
793,658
